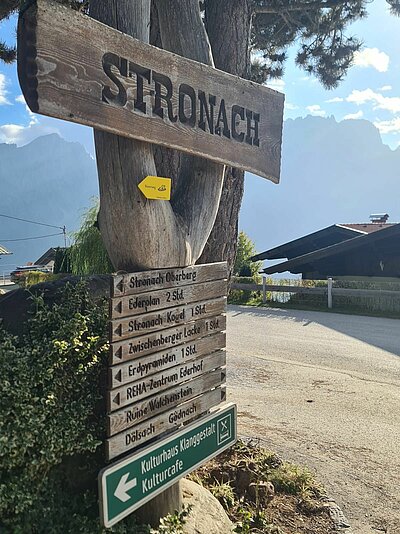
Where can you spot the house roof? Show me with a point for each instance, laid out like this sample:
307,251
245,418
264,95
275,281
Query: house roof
314,241
4,251
307,261
367,227
48,256
336,233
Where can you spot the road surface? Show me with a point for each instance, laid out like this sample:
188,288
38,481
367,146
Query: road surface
323,389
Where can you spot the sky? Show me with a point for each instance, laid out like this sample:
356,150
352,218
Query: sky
370,91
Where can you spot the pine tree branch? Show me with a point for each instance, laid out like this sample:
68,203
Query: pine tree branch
277,10
7,8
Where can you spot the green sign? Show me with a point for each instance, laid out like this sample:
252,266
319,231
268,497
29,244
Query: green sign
126,485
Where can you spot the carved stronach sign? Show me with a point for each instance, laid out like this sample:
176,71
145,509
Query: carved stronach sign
75,68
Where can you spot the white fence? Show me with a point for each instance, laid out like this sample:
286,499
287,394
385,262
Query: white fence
329,291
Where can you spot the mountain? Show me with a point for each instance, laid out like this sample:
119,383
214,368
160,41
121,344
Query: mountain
332,172
49,180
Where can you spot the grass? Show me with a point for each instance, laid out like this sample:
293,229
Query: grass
263,494
256,301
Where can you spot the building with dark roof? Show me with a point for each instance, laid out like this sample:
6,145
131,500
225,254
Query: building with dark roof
341,250
4,251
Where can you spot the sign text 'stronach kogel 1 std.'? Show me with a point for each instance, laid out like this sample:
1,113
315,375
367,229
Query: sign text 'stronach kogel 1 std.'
95,75
127,485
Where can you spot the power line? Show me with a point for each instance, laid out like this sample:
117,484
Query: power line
30,238
31,222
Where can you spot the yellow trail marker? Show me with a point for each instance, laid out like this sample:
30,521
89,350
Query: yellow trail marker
156,188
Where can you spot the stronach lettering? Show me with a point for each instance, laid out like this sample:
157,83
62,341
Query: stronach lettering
185,104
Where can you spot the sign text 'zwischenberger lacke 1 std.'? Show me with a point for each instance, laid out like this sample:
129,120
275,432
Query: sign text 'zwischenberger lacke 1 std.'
74,68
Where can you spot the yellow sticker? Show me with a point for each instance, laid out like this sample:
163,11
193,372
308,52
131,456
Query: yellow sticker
156,188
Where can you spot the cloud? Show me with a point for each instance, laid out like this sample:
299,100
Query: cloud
388,127
290,106
278,85
372,57
385,88
387,103
315,109
3,90
353,116
22,135
333,100
20,99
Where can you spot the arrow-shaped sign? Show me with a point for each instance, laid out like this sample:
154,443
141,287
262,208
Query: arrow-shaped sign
156,188
123,487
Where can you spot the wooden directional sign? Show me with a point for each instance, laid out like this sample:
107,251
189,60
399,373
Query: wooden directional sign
144,432
127,485
142,410
149,322
164,339
167,357
134,391
168,298
140,368
137,283
75,68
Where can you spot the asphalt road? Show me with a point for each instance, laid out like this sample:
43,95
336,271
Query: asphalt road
323,389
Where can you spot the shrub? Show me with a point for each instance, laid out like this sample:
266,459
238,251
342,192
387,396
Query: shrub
52,418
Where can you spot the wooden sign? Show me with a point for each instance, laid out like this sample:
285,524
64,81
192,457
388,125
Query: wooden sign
153,384
167,298
160,361
167,357
149,322
156,188
137,283
74,68
142,410
143,432
126,485
165,339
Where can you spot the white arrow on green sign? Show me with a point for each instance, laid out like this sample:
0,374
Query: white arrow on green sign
126,485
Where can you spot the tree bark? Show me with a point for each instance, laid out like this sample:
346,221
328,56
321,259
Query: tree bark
228,26
141,234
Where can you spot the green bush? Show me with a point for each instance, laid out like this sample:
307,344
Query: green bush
240,296
52,418
31,278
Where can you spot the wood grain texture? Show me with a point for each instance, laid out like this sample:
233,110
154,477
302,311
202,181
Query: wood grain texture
136,413
160,424
148,344
160,361
145,303
72,84
142,282
178,375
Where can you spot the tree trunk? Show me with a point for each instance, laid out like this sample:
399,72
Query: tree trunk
228,26
141,234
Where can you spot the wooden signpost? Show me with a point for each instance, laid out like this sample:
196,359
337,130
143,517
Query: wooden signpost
173,356
167,341
74,68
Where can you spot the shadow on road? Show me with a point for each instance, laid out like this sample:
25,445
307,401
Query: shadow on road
380,332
